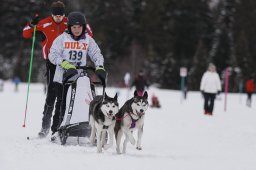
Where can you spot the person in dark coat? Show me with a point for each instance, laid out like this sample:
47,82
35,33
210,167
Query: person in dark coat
140,83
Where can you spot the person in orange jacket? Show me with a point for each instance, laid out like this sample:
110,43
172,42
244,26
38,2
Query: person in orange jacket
249,87
47,30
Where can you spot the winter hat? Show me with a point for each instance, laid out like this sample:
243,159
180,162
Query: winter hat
76,18
57,8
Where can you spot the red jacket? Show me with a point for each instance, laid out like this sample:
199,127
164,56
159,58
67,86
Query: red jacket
51,30
249,86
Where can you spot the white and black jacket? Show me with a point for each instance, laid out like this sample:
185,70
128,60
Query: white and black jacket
210,82
64,47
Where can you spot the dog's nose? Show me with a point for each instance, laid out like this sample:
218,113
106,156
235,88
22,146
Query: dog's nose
141,110
110,112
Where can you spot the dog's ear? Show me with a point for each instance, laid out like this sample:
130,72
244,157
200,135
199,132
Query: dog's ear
106,96
115,97
135,93
145,95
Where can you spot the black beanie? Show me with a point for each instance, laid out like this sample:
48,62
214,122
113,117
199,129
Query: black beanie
57,8
58,11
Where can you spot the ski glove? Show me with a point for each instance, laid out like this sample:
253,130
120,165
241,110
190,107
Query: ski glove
66,65
101,73
70,75
34,20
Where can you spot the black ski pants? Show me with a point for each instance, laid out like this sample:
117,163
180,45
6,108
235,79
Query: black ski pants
249,99
209,102
50,95
60,107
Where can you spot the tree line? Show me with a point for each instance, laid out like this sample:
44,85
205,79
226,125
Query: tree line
158,37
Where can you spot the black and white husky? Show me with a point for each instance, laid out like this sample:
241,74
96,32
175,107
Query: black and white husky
102,120
129,118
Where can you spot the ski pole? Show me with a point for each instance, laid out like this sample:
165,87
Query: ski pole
29,74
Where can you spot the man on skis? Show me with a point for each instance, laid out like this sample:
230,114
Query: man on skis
48,29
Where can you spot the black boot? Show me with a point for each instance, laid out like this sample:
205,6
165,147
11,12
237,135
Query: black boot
46,121
43,133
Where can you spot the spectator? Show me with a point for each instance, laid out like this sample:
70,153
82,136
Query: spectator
210,86
1,85
249,87
155,101
140,83
16,82
127,78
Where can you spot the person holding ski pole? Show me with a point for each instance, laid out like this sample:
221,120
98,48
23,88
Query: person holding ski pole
68,51
47,30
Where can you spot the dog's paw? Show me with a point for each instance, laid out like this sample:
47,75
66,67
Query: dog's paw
139,148
99,150
106,147
118,151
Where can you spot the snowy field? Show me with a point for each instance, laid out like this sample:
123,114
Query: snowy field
176,137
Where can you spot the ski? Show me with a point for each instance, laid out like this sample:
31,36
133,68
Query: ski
34,137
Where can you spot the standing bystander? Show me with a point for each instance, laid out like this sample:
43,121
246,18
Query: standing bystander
210,86
249,87
140,83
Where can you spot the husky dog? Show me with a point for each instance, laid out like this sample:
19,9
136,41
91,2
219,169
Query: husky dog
102,120
129,118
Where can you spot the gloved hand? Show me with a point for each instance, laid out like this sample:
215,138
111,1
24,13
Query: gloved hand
34,20
218,92
69,74
66,65
101,73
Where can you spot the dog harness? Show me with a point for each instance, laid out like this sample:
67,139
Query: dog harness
133,124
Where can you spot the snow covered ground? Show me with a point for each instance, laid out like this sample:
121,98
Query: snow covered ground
176,137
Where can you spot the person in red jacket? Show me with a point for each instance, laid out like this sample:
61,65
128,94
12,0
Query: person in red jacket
249,87
47,30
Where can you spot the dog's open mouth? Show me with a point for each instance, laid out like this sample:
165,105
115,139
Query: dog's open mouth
110,115
139,113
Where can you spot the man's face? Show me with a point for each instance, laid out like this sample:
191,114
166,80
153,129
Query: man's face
76,30
58,18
